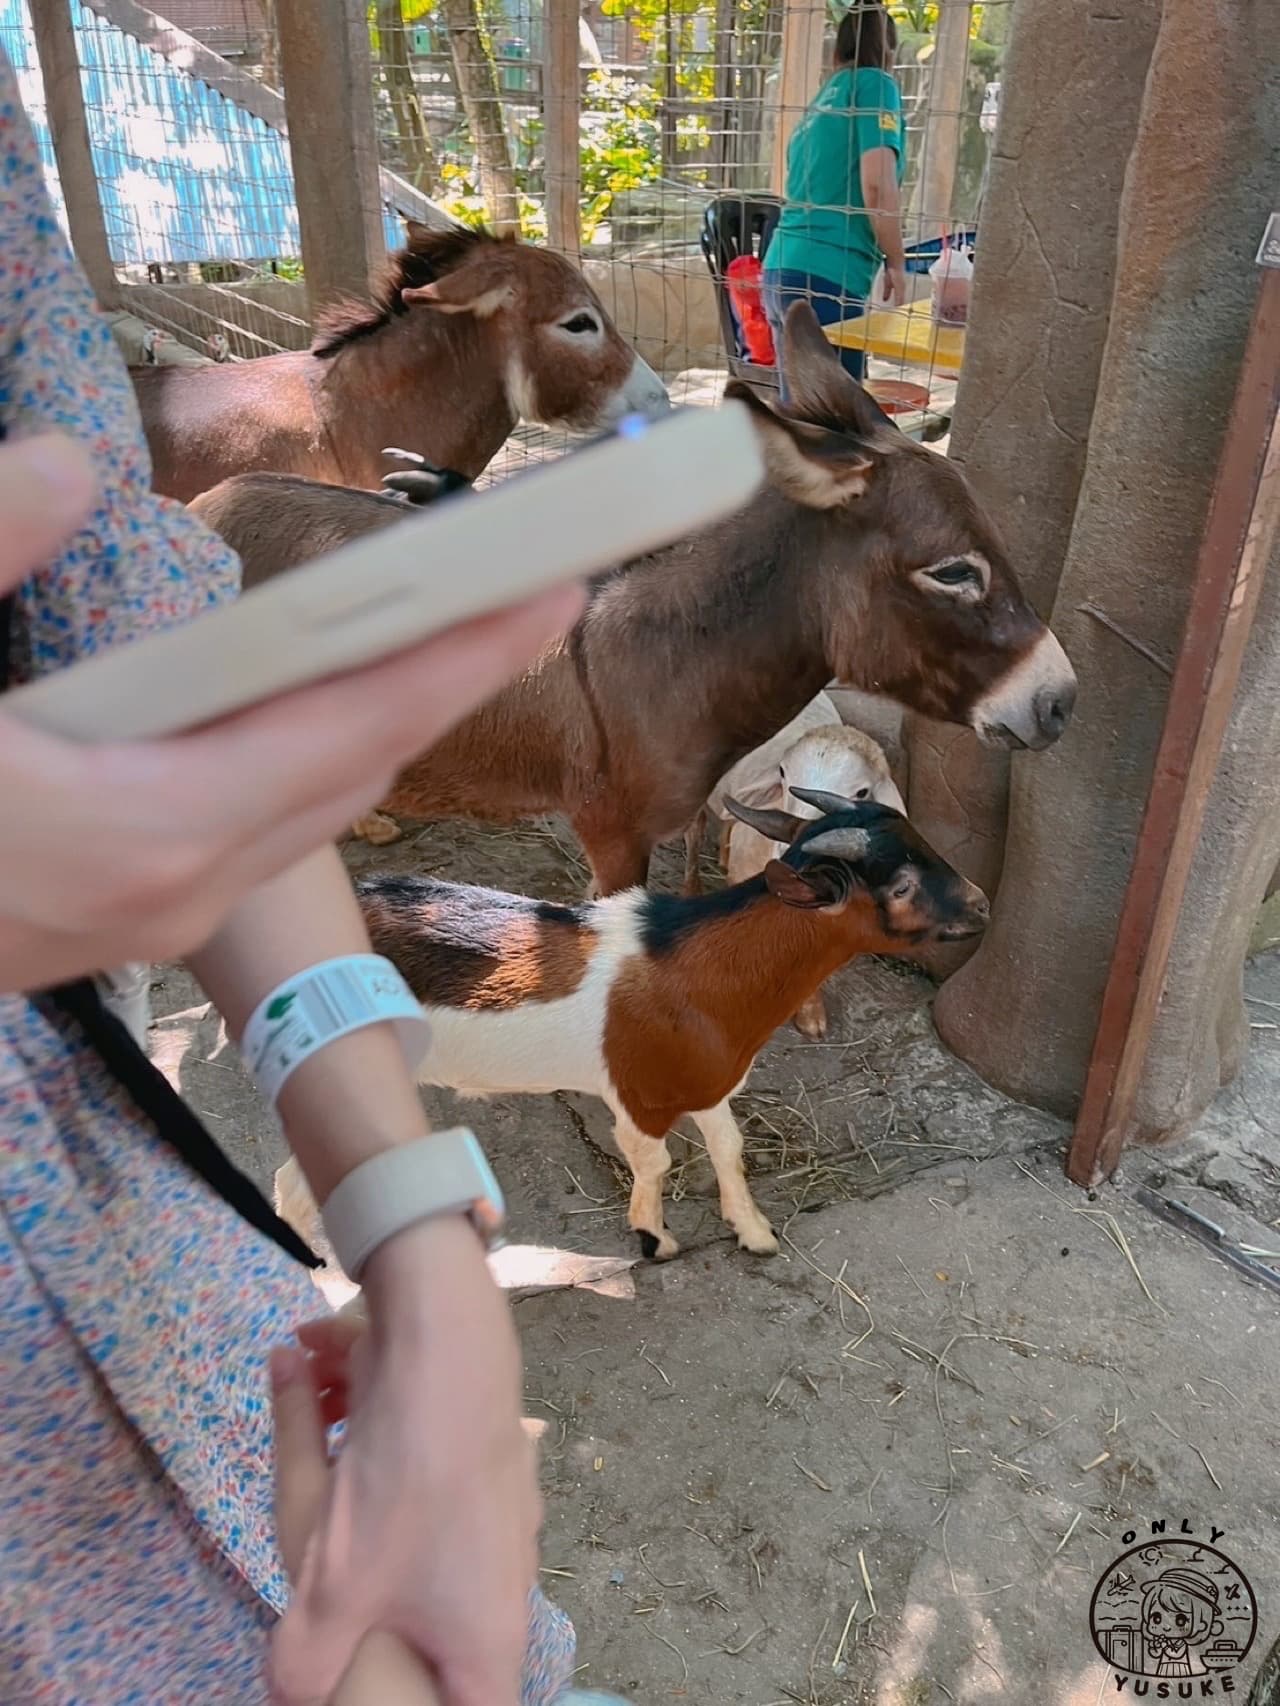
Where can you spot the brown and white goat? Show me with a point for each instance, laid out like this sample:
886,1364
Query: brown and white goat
467,334
867,559
657,1003
831,758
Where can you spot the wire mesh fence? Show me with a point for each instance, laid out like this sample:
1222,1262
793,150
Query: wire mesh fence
694,121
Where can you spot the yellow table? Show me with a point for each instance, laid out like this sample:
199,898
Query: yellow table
909,335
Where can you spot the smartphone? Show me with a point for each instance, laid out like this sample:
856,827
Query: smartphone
645,486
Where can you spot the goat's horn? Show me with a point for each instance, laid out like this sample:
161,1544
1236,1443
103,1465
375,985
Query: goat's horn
405,455
825,802
839,843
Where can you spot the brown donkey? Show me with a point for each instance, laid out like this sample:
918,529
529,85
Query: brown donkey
468,333
866,559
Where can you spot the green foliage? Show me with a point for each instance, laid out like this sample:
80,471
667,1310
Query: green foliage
619,150
411,12
920,17
621,142
460,198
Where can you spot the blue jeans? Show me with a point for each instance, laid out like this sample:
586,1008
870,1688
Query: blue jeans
785,286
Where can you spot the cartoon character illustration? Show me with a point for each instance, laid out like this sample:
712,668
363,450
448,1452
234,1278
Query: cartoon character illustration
1179,1615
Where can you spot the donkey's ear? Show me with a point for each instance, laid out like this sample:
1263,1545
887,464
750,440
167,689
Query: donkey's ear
821,390
811,465
478,289
773,825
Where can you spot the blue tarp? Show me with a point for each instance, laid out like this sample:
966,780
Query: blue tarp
184,173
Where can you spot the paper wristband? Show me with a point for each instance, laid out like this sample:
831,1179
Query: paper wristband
327,1001
444,1173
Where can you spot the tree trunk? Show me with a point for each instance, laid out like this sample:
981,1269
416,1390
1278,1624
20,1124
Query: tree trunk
722,142
1042,291
411,127
667,117
1024,1010
478,88
935,185
270,46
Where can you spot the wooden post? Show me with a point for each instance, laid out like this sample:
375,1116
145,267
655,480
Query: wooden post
561,104
1244,516
64,101
937,180
328,90
804,24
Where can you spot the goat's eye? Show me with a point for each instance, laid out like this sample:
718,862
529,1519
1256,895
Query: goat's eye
580,323
863,794
902,890
956,574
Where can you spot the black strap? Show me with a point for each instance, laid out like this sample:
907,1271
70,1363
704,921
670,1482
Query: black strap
157,1100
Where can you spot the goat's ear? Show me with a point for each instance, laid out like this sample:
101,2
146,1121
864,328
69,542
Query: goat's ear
773,825
821,390
809,888
481,290
811,465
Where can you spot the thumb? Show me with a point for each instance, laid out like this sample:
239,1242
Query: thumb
46,487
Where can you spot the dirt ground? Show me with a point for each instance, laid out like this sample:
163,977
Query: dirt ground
890,1464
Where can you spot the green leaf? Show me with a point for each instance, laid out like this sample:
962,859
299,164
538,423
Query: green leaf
280,1005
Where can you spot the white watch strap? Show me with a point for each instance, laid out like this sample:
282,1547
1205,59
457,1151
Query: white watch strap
309,1011
445,1173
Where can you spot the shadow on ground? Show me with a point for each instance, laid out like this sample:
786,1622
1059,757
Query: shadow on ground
890,1464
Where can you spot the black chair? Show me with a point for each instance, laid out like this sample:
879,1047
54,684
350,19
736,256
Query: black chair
736,225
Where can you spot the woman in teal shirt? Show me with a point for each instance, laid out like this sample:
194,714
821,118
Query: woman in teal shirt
842,216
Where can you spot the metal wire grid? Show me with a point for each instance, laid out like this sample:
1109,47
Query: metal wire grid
682,101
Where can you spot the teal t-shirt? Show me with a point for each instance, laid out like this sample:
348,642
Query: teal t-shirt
855,110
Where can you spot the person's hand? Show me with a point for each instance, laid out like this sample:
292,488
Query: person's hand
894,285
384,1672
431,1513
137,851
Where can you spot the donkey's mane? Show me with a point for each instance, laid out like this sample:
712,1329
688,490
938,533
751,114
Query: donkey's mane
429,254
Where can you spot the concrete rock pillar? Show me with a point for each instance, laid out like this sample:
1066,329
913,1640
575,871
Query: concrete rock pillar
1071,91
1196,195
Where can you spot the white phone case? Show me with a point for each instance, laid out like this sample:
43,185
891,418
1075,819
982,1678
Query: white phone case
388,590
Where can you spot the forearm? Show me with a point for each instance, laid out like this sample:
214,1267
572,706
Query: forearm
886,226
354,1098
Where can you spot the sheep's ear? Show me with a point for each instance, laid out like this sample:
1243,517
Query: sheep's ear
809,464
821,390
798,888
773,825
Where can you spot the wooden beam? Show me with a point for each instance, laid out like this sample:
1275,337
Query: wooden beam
804,25
941,148
1240,532
562,113
328,90
64,101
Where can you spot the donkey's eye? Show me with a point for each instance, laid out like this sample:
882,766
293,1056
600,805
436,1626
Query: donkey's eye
956,574
580,323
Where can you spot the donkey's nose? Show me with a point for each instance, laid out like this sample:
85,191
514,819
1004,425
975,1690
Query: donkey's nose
1053,707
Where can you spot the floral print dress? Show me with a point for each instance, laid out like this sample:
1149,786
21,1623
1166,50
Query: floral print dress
137,1559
